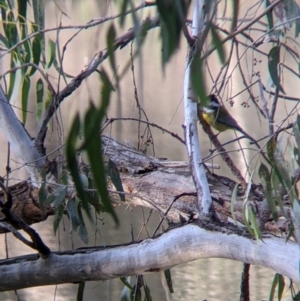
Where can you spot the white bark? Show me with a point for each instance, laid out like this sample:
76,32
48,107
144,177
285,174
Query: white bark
190,117
21,143
175,247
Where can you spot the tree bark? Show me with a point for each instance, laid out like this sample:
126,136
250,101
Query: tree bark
177,246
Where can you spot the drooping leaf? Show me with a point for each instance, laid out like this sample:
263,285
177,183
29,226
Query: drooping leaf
22,11
254,225
235,6
12,79
172,16
198,80
296,130
80,291
147,291
10,29
281,285
25,94
82,231
168,277
273,61
57,197
52,52
115,178
57,218
92,144
126,282
36,52
218,44
71,150
39,98
124,5
265,178
136,294
73,214
39,22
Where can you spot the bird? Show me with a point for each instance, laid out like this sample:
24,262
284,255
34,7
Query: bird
217,116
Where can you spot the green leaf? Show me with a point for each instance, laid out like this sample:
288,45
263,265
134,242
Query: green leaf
148,296
52,53
25,94
123,10
136,294
10,29
172,16
80,291
57,197
73,213
273,61
198,80
296,130
269,15
36,51
39,98
126,282
265,178
254,225
246,218
57,218
22,10
12,79
277,281
115,178
72,162
218,44
168,277
296,218
82,231
235,9
110,40
92,144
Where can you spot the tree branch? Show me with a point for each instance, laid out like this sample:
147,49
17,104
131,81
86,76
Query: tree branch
177,246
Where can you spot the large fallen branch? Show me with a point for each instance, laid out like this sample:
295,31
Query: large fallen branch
177,246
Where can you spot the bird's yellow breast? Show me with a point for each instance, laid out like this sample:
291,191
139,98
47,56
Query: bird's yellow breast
211,119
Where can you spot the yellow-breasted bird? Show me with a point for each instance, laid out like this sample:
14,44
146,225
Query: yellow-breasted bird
217,116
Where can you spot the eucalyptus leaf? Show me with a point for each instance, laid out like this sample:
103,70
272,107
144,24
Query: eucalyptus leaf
115,178
273,61
80,291
168,277
57,217
218,44
39,98
25,94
